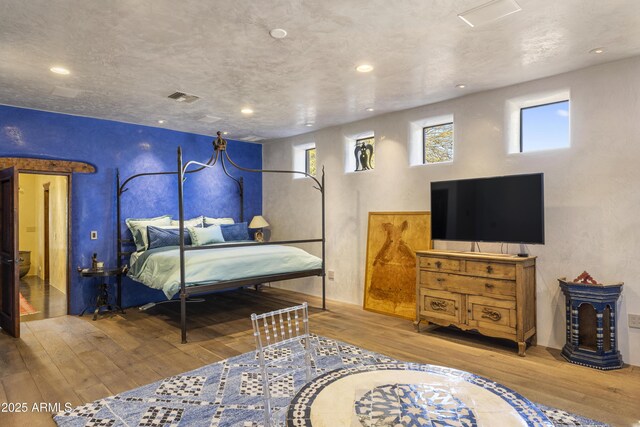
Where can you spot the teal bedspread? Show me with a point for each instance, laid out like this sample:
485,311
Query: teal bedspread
160,268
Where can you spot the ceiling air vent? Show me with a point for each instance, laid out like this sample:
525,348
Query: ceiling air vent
209,119
251,138
184,97
65,92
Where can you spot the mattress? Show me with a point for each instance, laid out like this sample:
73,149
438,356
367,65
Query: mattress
159,268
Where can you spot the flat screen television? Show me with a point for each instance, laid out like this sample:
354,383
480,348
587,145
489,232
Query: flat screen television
507,209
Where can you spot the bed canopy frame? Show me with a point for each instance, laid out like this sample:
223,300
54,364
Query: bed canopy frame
220,156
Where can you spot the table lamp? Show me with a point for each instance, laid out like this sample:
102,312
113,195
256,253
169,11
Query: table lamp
258,222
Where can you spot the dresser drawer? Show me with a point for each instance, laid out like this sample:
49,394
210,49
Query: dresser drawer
491,269
468,284
489,313
440,264
440,305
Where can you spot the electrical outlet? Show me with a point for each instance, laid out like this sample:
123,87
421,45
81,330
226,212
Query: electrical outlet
331,274
94,235
634,321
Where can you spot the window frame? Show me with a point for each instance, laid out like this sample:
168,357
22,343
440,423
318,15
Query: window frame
521,122
424,143
306,160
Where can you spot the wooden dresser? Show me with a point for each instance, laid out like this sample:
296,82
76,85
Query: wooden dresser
490,293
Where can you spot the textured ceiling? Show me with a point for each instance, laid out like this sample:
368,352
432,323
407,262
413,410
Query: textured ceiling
127,56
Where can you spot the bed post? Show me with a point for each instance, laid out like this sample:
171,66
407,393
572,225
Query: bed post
183,290
324,261
241,184
118,240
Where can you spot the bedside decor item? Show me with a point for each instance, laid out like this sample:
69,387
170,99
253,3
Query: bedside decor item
258,222
591,323
390,277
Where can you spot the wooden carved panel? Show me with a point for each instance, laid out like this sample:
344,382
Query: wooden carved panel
45,165
390,271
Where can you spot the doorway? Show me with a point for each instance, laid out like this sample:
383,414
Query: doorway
43,229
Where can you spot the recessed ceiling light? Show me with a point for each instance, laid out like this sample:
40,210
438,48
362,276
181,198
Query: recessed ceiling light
161,121
246,111
364,68
597,50
369,109
60,70
461,86
278,33
308,124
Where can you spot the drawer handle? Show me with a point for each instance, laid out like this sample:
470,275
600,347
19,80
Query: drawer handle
489,285
439,305
489,269
487,313
438,264
439,279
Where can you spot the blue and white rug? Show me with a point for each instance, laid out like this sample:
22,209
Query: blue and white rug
229,393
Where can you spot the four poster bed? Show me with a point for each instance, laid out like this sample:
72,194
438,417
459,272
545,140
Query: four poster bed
191,269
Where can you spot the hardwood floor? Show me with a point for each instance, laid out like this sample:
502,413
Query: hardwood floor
46,299
76,360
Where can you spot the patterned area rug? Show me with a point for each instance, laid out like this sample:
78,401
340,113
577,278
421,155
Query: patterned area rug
229,393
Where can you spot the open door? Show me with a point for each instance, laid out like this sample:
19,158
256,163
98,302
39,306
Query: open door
9,278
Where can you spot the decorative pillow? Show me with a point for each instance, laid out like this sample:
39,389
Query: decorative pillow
138,227
165,236
238,231
206,236
193,222
217,221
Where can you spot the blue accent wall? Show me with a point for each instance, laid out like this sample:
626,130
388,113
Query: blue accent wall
131,149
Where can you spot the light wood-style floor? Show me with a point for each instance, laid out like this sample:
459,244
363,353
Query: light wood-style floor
76,360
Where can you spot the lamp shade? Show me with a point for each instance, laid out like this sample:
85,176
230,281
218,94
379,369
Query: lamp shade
258,222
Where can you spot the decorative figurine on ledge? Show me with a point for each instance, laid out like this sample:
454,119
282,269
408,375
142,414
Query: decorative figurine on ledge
586,279
363,153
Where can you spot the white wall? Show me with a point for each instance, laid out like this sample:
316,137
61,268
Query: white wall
592,190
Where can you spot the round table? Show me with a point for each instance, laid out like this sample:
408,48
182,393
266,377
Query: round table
102,299
409,394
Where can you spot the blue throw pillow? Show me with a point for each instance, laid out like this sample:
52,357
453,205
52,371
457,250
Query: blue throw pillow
160,237
238,231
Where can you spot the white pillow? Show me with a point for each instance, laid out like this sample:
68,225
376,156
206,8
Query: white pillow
217,221
138,228
193,222
205,236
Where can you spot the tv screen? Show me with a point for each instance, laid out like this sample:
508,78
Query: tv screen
507,209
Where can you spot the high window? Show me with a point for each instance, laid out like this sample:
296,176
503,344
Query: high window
544,127
310,161
437,143
304,159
